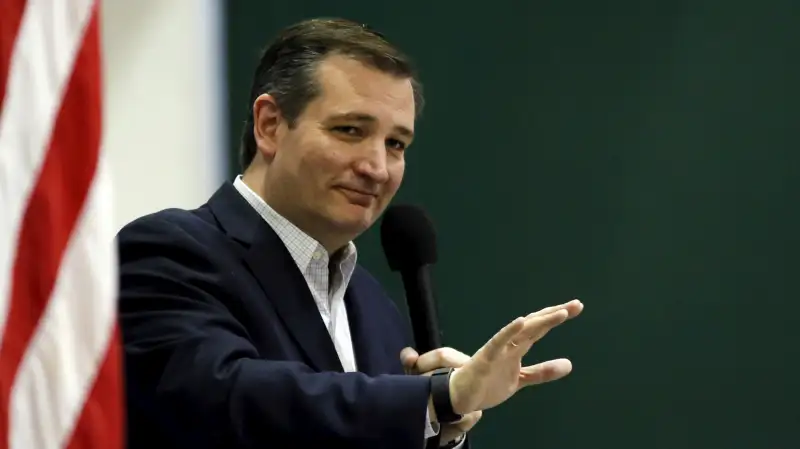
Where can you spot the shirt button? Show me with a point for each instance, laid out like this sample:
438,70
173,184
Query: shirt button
317,255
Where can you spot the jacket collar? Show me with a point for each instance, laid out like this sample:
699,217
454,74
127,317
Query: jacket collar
270,262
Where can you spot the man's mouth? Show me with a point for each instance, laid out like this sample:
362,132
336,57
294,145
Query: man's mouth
359,197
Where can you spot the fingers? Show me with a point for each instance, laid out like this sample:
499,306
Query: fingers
573,308
538,324
537,327
534,329
544,372
498,344
408,357
465,424
452,431
413,363
522,333
441,358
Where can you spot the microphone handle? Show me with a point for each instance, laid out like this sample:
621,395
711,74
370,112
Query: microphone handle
422,308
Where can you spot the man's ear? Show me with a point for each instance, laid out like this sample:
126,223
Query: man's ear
266,119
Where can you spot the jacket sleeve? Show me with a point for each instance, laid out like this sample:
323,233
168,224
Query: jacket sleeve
192,368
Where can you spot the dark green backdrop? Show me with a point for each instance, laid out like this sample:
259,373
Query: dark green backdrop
642,156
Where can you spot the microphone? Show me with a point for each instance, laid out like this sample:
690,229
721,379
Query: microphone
409,243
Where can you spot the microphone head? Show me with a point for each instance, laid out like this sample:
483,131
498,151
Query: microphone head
408,237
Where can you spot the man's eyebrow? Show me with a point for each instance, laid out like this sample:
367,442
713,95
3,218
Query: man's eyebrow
361,117
356,116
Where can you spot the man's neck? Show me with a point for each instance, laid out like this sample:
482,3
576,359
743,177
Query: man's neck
254,178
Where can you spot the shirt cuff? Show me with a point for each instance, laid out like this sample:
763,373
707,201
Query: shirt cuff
461,440
431,428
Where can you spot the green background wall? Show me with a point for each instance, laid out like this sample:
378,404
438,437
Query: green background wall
642,156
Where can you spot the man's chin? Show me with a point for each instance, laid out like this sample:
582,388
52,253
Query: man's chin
354,219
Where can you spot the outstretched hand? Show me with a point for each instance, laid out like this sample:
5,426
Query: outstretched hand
495,372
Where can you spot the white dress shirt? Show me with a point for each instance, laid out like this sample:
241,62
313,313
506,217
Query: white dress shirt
313,261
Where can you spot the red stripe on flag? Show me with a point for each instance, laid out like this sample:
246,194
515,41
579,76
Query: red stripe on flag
101,424
51,216
10,18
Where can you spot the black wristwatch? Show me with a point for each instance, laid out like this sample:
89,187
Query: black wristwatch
440,396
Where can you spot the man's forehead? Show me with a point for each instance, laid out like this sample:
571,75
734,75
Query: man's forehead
351,87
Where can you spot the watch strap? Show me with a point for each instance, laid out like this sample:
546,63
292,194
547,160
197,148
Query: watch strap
440,396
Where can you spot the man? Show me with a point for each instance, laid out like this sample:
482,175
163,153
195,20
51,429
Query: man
248,323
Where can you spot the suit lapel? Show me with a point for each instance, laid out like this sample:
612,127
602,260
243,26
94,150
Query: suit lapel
278,275
287,289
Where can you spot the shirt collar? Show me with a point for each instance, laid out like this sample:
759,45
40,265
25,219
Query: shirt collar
303,248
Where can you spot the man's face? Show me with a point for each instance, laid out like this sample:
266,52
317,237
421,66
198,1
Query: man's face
340,166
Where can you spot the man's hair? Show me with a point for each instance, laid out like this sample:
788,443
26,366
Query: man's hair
287,69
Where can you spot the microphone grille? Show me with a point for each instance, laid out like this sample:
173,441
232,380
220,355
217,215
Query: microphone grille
408,237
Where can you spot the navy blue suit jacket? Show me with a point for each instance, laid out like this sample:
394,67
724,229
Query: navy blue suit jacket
225,347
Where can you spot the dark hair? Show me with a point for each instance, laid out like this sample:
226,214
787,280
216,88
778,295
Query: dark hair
288,66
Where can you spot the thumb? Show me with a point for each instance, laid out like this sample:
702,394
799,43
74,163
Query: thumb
408,357
544,372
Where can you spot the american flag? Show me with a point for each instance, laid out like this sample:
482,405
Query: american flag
60,360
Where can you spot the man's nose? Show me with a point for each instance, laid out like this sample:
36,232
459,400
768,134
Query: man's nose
372,164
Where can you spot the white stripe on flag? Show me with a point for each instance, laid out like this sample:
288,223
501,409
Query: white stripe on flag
42,60
60,360
60,365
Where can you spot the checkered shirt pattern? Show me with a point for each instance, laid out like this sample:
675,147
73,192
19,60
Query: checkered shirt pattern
327,281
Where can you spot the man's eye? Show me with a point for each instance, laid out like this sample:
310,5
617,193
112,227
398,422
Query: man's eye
395,144
347,130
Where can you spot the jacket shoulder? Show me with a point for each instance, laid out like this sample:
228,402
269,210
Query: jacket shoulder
168,223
